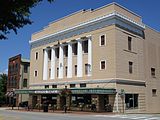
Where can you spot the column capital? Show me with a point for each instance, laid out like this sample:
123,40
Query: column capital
78,39
47,48
89,36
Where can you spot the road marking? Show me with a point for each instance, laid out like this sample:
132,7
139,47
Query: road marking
131,117
137,118
153,118
124,116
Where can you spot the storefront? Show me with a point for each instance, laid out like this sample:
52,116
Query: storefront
11,98
81,99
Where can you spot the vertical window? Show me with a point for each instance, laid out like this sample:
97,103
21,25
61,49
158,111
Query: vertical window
154,92
66,70
75,71
85,46
54,86
57,52
130,67
153,72
46,86
83,85
25,68
49,72
102,40
35,73
131,101
16,66
65,49
36,56
11,81
103,65
49,54
25,83
57,71
86,69
129,43
15,81
74,48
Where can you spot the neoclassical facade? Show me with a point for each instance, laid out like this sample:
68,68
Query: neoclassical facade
105,57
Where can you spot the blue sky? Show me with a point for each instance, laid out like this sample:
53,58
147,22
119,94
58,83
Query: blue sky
46,12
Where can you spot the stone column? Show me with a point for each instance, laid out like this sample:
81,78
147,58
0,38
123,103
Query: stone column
69,70
117,109
68,101
30,100
52,63
58,102
79,60
45,64
60,62
89,56
112,101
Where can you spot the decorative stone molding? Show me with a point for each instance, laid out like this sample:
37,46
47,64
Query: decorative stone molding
114,18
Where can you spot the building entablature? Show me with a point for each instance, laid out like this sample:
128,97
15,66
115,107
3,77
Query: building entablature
114,18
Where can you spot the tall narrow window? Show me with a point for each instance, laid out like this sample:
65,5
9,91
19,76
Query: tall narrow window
49,72
49,54
85,46
102,40
16,66
86,69
153,72
75,70
25,68
57,52
57,71
66,70
36,56
130,67
103,65
129,43
74,48
65,49
35,73
24,82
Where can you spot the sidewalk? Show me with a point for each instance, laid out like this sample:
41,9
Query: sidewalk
61,112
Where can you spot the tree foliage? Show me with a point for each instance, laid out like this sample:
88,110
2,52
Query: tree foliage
3,87
14,14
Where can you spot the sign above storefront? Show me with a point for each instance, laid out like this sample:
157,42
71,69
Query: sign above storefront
73,91
46,91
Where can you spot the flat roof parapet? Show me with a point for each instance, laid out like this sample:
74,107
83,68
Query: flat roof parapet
83,16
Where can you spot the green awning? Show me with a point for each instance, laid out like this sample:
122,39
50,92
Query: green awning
93,91
73,91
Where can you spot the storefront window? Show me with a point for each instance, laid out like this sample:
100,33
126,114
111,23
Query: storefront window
78,100
131,101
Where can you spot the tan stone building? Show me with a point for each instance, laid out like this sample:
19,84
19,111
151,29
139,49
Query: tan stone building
106,57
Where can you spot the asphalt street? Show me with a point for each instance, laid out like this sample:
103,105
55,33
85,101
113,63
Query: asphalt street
21,115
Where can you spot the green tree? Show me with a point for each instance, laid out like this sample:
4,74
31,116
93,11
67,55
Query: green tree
14,14
3,87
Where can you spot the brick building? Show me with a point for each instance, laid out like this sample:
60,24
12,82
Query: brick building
18,77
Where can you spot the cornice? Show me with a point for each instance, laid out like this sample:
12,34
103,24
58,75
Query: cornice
97,23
